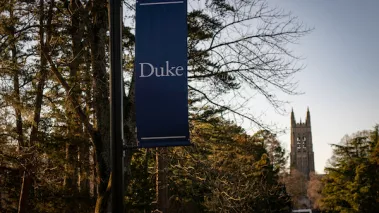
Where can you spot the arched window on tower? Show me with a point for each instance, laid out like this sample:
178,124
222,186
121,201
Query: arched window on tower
304,143
299,143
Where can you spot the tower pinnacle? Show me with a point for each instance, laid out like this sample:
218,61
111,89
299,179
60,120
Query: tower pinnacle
293,121
308,119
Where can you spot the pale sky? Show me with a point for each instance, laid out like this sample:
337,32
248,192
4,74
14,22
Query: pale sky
341,78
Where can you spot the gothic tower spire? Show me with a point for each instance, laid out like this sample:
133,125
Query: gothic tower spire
308,119
293,121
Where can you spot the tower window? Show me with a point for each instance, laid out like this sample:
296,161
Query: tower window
304,145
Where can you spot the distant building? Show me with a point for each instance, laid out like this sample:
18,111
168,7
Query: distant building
302,156
301,160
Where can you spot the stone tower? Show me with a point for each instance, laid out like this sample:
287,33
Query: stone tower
302,156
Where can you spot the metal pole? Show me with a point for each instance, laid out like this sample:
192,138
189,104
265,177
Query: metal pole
116,93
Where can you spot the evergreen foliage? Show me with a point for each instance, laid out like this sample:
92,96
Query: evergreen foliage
351,183
225,170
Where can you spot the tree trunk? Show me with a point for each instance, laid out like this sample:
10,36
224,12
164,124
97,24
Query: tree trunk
27,182
161,179
90,167
77,143
84,169
98,27
130,136
84,156
25,190
16,84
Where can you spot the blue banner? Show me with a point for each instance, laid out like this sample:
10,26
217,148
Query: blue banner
161,73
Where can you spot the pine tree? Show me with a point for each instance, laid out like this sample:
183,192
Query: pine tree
351,181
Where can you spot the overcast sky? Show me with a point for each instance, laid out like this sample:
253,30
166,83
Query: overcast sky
341,80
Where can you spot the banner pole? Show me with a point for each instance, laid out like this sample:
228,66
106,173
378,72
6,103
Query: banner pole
116,103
